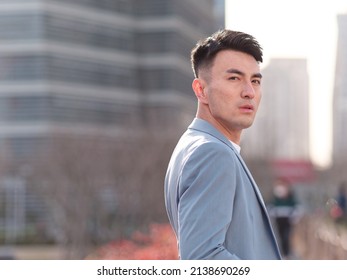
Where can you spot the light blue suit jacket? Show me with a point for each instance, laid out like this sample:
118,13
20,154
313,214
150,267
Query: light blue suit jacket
213,203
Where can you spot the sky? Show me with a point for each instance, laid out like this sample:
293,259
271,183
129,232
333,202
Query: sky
298,29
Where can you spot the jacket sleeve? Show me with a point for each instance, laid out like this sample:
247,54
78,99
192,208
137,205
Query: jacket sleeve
206,198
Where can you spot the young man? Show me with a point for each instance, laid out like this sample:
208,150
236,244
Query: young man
212,201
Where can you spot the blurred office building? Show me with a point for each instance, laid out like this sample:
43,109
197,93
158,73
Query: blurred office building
280,133
340,97
281,129
80,67
76,65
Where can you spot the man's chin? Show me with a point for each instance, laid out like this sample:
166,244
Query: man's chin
248,123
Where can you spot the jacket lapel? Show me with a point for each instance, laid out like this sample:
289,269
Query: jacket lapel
204,126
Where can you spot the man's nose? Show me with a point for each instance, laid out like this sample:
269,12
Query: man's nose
248,90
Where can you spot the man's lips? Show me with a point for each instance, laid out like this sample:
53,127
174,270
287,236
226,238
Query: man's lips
247,108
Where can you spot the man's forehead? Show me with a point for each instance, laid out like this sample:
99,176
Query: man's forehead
235,56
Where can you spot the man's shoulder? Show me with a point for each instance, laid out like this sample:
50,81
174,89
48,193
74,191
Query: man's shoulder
199,142
202,138
203,128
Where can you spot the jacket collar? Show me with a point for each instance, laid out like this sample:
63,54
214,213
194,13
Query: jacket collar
204,126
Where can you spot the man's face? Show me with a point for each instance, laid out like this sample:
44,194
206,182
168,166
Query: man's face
233,90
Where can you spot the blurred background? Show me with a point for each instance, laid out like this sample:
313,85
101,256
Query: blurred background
95,94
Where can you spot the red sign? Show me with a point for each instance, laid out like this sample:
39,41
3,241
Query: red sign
294,171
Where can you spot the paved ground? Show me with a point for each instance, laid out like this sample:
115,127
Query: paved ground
31,252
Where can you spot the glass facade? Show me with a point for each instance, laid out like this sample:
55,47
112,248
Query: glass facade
69,69
82,31
21,26
132,48
112,6
62,109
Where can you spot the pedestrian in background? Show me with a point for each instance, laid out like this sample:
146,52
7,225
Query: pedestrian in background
284,209
337,206
341,198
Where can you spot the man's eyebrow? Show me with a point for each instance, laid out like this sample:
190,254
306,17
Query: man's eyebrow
257,75
236,71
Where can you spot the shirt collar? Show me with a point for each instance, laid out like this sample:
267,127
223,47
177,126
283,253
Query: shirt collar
237,147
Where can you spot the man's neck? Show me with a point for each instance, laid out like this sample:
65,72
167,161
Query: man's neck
232,136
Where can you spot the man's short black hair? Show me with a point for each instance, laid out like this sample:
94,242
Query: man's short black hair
205,50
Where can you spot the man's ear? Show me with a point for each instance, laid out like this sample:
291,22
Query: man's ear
198,86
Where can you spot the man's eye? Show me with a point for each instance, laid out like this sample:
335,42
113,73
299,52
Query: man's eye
234,78
258,82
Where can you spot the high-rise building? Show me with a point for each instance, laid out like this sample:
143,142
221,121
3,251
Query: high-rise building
81,67
281,128
219,13
340,96
75,65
